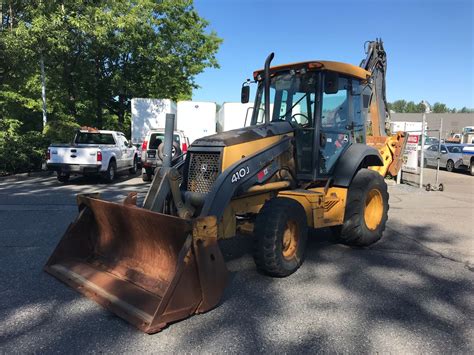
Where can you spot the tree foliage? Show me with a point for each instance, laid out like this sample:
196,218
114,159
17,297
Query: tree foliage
97,55
402,106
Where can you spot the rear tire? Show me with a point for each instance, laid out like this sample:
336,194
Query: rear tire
147,174
111,172
63,177
133,170
450,166
471,168
366,210
281,232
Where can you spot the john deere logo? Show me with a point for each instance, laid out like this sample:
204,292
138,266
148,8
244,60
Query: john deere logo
203,168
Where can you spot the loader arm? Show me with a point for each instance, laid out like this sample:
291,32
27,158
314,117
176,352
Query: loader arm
390,147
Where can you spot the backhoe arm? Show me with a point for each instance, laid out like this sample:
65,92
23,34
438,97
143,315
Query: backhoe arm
376,63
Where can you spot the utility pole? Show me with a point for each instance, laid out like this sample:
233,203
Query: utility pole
423,127
422,152
43,90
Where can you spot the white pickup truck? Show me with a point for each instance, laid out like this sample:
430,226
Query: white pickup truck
93,152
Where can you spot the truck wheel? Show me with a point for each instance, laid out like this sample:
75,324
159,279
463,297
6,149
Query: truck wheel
366,210
133,170
109,175
280,234
450,165
146,176
63,177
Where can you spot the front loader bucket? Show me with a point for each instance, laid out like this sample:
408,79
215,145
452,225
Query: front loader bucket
148,268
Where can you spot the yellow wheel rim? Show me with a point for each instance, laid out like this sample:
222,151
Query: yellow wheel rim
290,240
373,209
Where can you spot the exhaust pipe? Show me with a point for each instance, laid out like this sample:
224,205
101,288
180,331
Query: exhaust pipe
267,87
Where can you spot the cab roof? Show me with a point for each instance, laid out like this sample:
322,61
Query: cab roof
343,68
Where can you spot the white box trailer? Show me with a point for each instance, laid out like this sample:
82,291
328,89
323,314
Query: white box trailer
233,115
413,128
148,114
196,119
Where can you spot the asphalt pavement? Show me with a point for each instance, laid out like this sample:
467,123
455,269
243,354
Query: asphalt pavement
410,293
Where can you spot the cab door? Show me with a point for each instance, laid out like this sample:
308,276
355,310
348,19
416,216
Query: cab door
342,120
122,146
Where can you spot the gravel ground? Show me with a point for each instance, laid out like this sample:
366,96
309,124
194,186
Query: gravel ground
409,293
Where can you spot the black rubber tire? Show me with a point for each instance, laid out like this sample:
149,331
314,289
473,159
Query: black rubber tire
111,172
270,226
63,177
146,177
450,166
471,168
428,187
133,170
354,230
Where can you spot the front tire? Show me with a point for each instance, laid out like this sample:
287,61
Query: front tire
281,232
471,168
63,177
366,209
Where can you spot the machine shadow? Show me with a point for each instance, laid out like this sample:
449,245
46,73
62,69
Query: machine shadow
380,289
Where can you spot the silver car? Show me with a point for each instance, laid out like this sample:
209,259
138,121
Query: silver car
450,156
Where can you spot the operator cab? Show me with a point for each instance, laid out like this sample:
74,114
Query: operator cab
327,109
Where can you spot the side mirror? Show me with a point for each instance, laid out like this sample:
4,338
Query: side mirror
245,94
331,82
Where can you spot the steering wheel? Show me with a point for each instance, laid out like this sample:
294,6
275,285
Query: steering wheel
306,124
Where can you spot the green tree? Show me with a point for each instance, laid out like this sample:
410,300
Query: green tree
439,107
420,107
98,55
410,107
399,106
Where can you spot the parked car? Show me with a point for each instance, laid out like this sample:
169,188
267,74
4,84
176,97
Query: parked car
93,152
468,158
152,150
450,156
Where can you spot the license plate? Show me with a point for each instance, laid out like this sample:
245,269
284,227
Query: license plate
151,155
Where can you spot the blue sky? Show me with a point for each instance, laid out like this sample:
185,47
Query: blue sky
429,44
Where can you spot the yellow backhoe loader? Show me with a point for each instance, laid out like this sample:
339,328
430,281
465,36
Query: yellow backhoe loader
314,155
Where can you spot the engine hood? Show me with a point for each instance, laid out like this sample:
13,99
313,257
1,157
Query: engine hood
242,135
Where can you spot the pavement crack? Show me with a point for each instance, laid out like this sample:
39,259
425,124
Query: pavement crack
438,254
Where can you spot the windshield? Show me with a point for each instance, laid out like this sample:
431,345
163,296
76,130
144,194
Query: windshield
94,138
292,98
431,140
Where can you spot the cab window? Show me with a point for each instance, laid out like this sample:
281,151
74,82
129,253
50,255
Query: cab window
342,120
